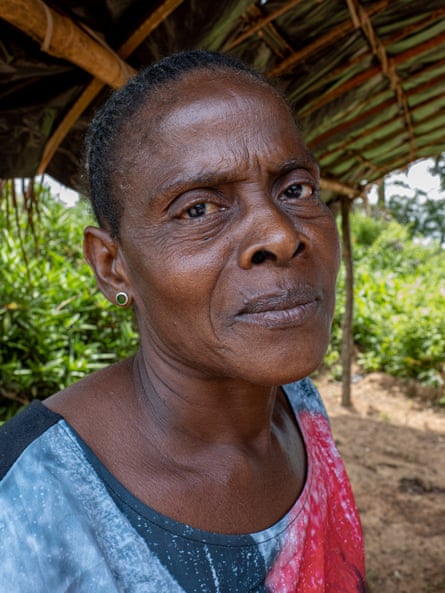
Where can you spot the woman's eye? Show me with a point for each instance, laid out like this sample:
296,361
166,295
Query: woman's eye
199,210
299,190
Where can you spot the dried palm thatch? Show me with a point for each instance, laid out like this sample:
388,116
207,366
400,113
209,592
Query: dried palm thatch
366,77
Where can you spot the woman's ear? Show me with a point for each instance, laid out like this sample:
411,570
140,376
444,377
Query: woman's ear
103,254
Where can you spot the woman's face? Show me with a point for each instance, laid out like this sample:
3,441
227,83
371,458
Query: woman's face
230,253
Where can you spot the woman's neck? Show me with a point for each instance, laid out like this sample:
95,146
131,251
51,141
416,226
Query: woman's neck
193,407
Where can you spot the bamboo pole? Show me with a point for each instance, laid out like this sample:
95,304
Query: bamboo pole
59,36
95,86
70,118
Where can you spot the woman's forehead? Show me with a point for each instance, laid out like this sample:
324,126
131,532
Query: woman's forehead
206,126
197,106
198,90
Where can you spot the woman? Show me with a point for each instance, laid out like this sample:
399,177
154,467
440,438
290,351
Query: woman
205,462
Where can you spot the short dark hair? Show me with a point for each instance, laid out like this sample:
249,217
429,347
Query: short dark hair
104,137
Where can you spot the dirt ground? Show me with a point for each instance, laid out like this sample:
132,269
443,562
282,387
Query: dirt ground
394,449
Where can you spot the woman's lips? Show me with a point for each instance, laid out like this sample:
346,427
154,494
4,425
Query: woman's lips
288,308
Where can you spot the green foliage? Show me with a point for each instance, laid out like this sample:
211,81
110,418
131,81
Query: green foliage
399,321
55,326
420,214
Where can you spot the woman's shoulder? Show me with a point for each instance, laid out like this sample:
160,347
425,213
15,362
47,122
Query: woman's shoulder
96,403
93,391
21,431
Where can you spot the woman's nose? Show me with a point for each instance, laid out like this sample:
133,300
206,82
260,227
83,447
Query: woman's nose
271,236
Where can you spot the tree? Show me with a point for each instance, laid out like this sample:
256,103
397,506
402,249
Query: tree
439,169
422,215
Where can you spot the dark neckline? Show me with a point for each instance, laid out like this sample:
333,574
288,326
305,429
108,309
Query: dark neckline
122,496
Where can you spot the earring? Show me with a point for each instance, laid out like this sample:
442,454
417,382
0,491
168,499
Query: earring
122,298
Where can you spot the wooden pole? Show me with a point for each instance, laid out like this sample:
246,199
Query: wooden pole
340,188
95,86
347,325
59,36
381,197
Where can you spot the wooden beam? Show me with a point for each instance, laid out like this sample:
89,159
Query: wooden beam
337,155
59,36
435,83
364,168
401,161
371,131
422,23
260,24
95,86
340,188
300,56
336,33
366,75
350,124
362,20
73,114
270,35
146,28
312,105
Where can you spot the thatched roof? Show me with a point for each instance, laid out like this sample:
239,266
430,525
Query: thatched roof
366,77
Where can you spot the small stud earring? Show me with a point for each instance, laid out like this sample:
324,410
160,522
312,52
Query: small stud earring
122,298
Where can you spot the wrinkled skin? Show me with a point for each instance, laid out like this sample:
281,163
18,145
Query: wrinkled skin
235,156
230,258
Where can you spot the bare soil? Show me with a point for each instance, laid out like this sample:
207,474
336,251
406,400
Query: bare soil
393,446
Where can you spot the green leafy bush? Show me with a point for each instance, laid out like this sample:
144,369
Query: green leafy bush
399,320
55,326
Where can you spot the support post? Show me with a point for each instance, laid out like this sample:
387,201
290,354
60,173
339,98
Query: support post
347,324
381,198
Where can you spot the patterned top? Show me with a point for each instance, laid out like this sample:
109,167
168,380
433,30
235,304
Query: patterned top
67,525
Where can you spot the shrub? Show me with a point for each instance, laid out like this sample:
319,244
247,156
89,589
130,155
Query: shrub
399,321
55,325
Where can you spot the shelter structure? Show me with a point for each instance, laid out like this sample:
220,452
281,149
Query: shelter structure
366,78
